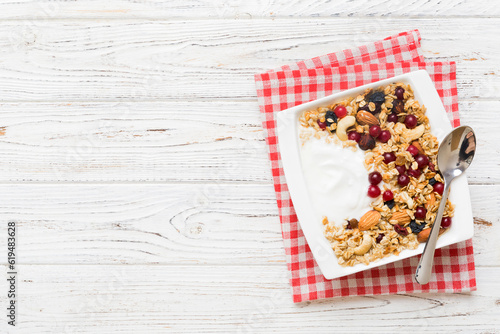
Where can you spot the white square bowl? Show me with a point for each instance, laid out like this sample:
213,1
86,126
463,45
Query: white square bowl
289,144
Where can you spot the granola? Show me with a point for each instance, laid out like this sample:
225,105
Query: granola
392,128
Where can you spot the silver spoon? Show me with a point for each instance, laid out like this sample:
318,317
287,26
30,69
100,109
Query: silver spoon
455,155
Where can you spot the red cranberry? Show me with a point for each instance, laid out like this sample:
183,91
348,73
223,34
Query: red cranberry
392,118
353,135
439,187
401,169
384,136
414,172
446,222
387,196
340,111
400,91
420,213
389,157
422,160
322,125
375,131
410,121
379,238
403,180
400,229
431,167
373,191
413,150
374,178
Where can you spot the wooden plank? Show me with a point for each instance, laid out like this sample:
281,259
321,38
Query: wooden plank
88,60
173,224
241,299
120,9
167,142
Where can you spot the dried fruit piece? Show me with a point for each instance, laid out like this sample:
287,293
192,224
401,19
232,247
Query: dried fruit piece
399,92
416,227
446,222
373,191
411,121
366,142
353,223
401,230
384,136
392,118
398,106
374,178
369,220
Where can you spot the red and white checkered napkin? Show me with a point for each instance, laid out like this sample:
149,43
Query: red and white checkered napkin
311,79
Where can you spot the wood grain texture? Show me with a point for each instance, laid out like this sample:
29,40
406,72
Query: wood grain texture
167,142
236,299
240,9
173,224
99,60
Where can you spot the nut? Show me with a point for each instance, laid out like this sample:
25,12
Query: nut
398,106
419,148
400,217
343,125
415,133
424,234
365,245
366,142
369,220
366,118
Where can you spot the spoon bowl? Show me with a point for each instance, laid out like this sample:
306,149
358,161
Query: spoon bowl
455,155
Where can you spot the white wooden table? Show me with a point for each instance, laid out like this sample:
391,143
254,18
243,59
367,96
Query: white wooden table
133,160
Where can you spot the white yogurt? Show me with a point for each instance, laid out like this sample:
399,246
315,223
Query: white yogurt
336,179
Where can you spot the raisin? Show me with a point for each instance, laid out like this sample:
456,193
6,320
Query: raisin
415,227
377,97
379,238
329,117
390,204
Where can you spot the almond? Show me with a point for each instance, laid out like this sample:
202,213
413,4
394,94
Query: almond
366,118
369,220
401,217
419,148
424,234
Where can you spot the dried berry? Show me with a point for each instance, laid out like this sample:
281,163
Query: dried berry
366,142
399,92
392,118
401,230
330,118
322,125
446,222
390,204
416,227
379,238
353,223
432,181
398,106
353,135
377,97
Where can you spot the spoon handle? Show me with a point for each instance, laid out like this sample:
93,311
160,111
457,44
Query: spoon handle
424,268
